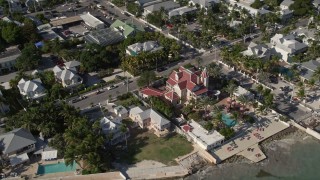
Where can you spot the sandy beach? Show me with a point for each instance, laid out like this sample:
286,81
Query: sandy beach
291,154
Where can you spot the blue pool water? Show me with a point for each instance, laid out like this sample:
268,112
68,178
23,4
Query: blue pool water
227,120
54,168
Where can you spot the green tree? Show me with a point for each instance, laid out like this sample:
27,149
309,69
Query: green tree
146,78
11,33
231,89
29,58
227,133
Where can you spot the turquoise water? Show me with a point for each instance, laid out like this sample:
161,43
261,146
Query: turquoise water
54,168
228,121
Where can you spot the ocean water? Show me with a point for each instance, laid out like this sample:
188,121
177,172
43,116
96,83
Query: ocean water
287,160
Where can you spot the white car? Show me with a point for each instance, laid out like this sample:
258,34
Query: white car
111,87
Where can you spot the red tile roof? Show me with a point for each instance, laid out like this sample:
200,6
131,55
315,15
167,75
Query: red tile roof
171,95
149,91
186,127
201,91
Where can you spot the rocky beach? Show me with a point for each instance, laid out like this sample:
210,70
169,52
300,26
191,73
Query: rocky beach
291,154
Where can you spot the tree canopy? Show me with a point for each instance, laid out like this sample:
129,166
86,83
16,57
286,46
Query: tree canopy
29,58
146,78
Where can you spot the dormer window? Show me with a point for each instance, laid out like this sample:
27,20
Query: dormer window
177,77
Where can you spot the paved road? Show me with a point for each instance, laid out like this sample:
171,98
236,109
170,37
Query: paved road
102,97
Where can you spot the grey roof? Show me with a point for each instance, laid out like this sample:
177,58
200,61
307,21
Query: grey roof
71,64
145,47
309,33
15,140
121,109
34,85
312,64
104,37
259,50
66,74
180,11
205,3
155,117
287,43
10,54
286,3
143,2
136,110
166,5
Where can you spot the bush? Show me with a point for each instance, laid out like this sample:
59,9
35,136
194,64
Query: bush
248,119
227,133
196,116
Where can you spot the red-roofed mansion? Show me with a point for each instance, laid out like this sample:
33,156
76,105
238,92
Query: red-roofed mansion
183,85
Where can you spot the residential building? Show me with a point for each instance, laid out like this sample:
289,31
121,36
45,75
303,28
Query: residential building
4,108
104,37
150,91
148,46
31,89
92,21
121,111
316,4
243,92
122,27
166,5
8,59
48,33
245,4
287,46
258,50
14,6
117,32
111,127
308,68
150,119
307,35
203,3
205,139
285,11
286,4
182,10
72,65
144,3
186,84
65,21
16,144
68,78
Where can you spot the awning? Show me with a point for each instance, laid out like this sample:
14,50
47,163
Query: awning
15,160
48,155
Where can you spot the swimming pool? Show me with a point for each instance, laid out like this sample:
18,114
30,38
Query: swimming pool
228,121
54,168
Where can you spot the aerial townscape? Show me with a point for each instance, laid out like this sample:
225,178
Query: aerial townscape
159,89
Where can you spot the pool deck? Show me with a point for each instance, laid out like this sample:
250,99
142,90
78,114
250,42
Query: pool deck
253,153
268,127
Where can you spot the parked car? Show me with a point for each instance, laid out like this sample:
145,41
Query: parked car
112,87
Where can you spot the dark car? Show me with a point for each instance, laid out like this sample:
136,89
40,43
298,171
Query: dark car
160,69
273,79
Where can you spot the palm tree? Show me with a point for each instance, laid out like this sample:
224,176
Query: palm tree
199,61
301,93
124,130
261,109
214,70
231,89
316,74
244,100
312,84
259,89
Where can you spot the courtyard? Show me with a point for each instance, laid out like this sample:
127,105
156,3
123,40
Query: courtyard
144,145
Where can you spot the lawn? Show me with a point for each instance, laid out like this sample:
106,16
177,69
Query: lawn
144,145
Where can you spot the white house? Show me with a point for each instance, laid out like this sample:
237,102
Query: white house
31,89
285,11
92,21
47,33
286,4
72,65
205,139
111,127
148,46
121,111
307,35
16,144
68,78
243,92
259,50
245,4
287,46
150,119
182,10
203,3
166,5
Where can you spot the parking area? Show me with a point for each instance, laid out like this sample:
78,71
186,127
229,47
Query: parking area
78,29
